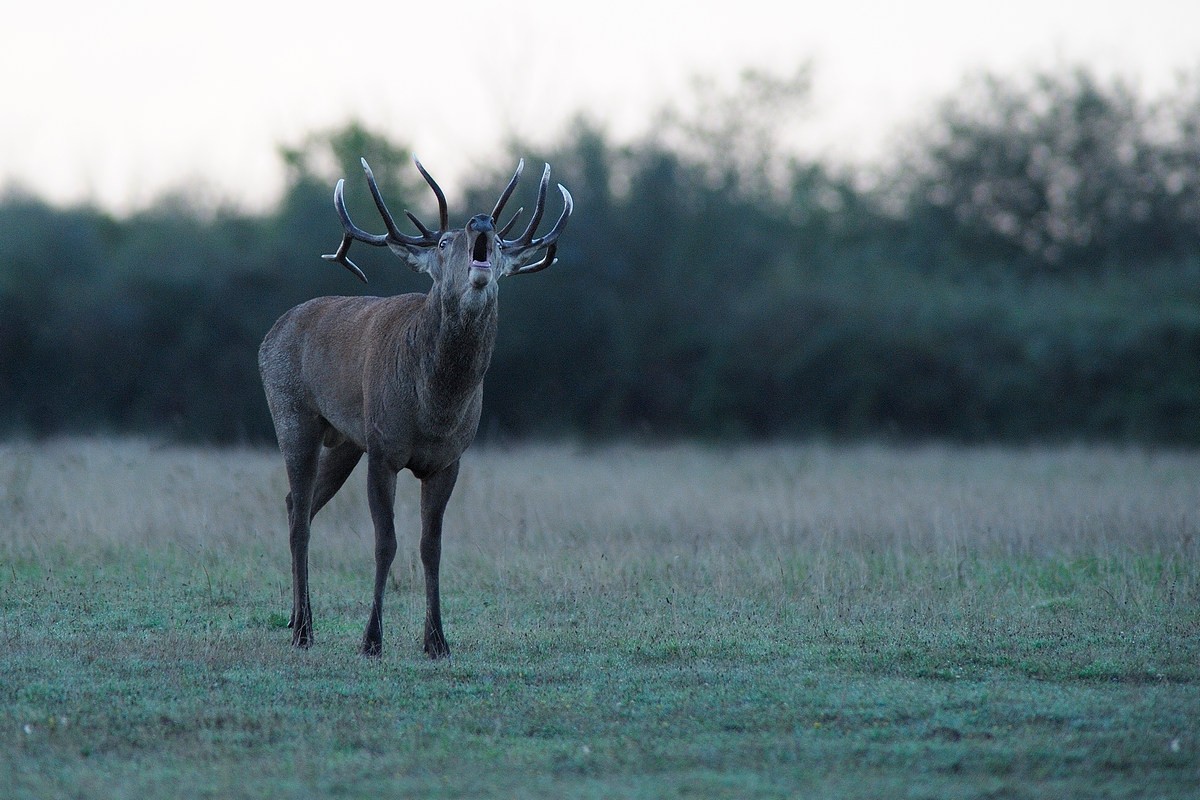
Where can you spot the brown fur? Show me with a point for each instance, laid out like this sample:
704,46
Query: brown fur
399,379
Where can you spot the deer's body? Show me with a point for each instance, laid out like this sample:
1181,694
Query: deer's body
399,379
353,363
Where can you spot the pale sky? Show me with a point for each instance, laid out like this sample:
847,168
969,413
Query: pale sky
117,102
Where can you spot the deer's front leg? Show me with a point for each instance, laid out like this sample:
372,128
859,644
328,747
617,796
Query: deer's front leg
435,494
381,496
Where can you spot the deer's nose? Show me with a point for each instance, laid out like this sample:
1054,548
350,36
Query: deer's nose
480,223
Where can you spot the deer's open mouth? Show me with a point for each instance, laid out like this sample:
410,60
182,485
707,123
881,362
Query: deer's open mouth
479,253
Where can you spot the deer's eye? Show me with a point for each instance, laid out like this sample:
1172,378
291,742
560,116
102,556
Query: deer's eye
444,243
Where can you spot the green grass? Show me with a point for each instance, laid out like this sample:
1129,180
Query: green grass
627,622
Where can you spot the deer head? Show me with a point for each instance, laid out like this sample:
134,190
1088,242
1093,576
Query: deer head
476,254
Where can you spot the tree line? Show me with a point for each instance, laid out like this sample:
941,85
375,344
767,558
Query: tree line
1025,266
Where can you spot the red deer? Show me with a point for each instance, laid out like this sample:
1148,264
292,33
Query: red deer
398,378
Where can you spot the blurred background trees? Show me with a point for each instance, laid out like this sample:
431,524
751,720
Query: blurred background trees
1025,268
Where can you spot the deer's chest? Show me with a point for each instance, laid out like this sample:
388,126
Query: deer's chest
433,453
427,441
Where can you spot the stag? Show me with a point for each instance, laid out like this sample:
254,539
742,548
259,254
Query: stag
398,378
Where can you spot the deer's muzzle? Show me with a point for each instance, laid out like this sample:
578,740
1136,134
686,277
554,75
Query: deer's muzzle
483,235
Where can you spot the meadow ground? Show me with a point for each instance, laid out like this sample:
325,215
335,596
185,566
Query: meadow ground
775,621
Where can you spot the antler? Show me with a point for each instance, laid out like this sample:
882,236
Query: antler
525,243
427,238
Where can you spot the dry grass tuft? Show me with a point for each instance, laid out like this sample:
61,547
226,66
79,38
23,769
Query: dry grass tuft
713,516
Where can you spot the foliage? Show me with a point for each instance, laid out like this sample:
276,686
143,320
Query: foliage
1027,269
1066,172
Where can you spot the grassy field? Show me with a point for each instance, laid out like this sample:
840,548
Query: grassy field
780,621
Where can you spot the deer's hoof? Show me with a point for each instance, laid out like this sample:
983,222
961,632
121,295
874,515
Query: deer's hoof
436,647
302,634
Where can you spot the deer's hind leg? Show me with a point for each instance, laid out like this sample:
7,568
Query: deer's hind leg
336,464
300,442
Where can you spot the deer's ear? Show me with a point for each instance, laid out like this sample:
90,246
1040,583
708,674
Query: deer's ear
418,258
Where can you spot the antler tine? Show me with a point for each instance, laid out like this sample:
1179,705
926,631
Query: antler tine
443,214
547,260
512,184
525,238
393,231
352,230
552,236
428,234
394,234
504,231
340,257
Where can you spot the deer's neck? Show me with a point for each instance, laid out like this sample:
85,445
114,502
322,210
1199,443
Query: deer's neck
456,346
